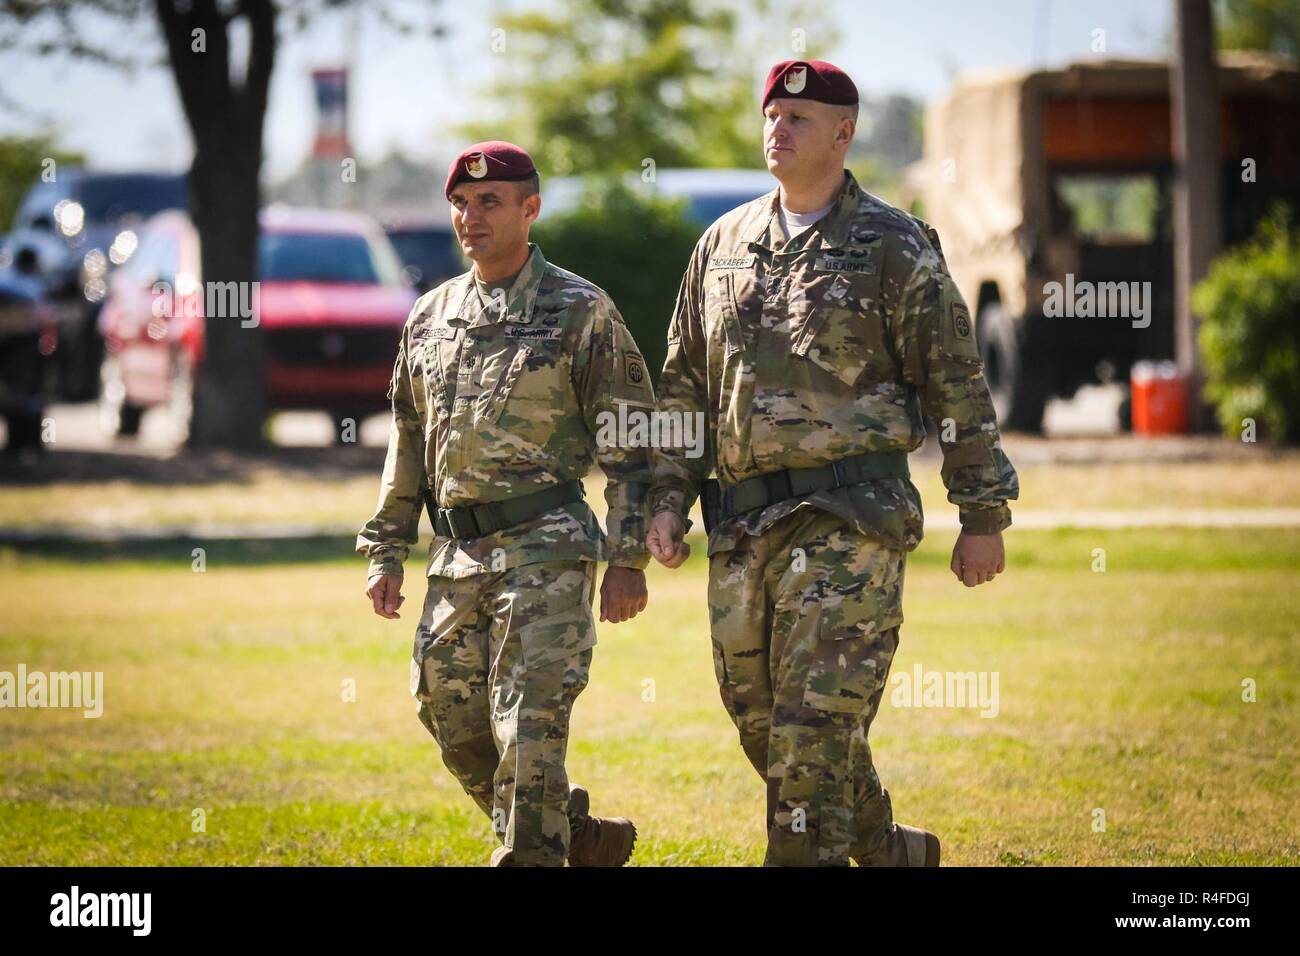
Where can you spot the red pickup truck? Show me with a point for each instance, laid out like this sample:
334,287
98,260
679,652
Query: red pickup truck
332,301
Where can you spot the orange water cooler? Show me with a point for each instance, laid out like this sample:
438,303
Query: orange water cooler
1159,399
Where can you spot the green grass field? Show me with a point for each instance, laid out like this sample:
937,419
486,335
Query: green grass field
1119,690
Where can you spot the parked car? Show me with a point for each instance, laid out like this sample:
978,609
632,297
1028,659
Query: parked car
89,222
429,252
28,340
331,306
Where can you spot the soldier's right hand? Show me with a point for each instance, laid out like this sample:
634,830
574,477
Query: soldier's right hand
664,541
385,591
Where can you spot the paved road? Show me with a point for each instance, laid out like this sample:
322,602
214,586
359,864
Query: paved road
1091,413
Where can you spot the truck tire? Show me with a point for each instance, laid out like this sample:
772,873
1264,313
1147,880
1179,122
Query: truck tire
339,416
24,431
1018,379
82,358
178,411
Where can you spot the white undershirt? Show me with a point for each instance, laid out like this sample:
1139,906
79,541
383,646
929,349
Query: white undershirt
797,222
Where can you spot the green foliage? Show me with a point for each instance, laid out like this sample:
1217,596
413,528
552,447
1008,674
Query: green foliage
1250,331
1117,206
1270,25
20,167
633,246
599,86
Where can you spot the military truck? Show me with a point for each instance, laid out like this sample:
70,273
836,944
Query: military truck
1052,195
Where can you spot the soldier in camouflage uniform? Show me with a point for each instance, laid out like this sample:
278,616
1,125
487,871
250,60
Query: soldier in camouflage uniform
814,328
503,378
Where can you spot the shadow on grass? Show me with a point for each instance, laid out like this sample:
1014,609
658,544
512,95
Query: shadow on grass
317,549
187,467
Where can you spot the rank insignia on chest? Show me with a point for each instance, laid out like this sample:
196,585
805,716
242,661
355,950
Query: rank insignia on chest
530,333
733,262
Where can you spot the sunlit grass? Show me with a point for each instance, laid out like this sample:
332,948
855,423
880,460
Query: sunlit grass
1119,691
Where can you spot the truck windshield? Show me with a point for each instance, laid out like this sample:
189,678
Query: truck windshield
109,198
1106,208
324,257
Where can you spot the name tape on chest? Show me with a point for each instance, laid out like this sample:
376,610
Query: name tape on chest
433,332
733,262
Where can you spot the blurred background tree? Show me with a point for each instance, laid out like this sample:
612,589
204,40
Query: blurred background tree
22,161
1269,25
1250,333
634,246
221,54
601,85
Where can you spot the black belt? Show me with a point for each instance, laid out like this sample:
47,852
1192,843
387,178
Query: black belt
731,500
474,521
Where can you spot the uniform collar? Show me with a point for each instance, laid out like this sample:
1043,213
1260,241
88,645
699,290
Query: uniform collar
831,231
519,298
835,226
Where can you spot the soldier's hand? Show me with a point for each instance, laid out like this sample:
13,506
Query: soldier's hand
664,541
976,558
385,591
622,594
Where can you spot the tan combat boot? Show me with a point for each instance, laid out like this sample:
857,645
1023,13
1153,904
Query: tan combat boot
905,846
597,841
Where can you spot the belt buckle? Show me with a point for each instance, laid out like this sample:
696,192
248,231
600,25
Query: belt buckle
727,500
837,469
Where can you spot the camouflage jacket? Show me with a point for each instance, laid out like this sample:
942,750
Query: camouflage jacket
831,344
519,413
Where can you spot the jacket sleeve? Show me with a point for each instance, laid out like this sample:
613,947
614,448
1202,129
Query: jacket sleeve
388,536
935,337
683,394
609,375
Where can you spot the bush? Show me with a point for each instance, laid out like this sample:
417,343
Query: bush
1250,331
634,247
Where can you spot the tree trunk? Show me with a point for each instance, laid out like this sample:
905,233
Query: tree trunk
229,394
226,120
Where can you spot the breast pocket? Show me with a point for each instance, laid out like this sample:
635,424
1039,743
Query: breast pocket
722,315
500,383
436,351
837,323
841,328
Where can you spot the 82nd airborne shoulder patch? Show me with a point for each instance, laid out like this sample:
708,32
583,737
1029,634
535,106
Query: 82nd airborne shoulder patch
961,327
633,368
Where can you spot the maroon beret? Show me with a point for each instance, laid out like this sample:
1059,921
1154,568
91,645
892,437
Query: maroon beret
810,80
491,160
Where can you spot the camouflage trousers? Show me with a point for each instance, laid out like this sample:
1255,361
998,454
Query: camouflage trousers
499,660
804,621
